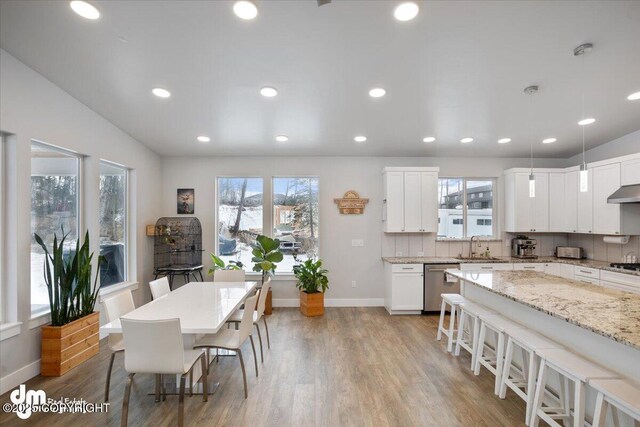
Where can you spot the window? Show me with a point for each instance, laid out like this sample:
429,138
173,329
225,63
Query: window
240,215
295,219
455,206
113,223
54,209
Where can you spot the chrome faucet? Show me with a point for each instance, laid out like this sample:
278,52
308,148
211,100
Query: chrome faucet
471,252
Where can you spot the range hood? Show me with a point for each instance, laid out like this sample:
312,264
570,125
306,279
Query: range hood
626,194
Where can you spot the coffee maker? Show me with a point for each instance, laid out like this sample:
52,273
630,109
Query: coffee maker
523,247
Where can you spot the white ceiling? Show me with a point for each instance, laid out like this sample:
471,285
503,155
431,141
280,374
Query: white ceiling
457,70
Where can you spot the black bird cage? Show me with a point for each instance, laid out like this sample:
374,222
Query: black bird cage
178,243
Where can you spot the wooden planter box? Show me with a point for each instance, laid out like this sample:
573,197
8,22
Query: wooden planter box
268,306
65,347
312,304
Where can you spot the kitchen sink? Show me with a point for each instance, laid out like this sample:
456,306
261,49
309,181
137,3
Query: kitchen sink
478,258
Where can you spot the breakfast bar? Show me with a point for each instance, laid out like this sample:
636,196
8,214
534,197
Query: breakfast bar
599,323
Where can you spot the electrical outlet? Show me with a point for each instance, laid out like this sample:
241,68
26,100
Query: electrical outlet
353,283
420,254
398,253
357,243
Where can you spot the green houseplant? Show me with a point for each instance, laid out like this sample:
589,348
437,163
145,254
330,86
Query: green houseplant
219,264
312,283
72,300
266,256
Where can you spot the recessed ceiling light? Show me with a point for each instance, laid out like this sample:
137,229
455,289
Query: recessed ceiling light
360,138
377,92
585,122
245,9
549,140
203,138
504,140
161,93
406,11
634,96
429,139
466,140
84,9
268,91
282,138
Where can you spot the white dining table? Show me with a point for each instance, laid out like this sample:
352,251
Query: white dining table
202,307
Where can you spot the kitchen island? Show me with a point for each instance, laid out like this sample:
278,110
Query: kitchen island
599,323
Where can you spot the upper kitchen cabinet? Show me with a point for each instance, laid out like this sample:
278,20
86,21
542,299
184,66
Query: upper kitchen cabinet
410,202
524,213
557,205
569,213
606,216
630,172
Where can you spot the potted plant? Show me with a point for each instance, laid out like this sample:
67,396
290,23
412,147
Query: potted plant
266,256
312,283
73,336
219,264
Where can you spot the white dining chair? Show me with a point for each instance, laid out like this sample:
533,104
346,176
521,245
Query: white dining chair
159,287
232,339
114,308
229,276
258,314
156,347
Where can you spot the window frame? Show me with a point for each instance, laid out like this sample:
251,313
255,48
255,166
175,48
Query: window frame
79,204
271,206
127,220
267,213
465,199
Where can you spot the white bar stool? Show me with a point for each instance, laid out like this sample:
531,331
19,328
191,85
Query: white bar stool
468,313
453,300
499,325
574,368
523,382
620,394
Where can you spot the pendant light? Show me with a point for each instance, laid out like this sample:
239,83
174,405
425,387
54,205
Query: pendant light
582,50
530,90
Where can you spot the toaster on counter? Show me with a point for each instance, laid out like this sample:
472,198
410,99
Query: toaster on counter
569,252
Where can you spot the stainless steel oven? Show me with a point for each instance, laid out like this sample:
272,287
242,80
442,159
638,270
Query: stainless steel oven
435,283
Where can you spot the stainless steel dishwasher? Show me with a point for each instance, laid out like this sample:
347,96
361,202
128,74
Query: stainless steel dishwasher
435,283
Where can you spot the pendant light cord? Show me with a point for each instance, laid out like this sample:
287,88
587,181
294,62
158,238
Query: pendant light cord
531,126
584,160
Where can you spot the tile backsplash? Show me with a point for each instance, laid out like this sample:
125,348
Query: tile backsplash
595,248
411,244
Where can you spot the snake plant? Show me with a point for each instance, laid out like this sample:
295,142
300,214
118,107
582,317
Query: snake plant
71,293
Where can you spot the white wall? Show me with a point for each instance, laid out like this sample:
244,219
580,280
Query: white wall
31,107
337,175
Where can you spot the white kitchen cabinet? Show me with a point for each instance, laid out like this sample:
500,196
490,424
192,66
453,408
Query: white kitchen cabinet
529,266
630,172
620,281
524,213
570,214
606,216
557,211
553,268
586,274
410,200
404,288
393,205
566,271
479,267
585,206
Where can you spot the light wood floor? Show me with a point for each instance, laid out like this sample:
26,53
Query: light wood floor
351,367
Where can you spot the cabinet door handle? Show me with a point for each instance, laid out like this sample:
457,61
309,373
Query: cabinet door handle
528,267
585,272
486,268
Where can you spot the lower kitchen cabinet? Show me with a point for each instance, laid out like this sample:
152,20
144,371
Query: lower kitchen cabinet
404,288
529,266
553,268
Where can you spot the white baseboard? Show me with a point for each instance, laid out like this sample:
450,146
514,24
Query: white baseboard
333,302
20,376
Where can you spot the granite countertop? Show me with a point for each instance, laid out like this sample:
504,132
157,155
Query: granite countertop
602,265
607,312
